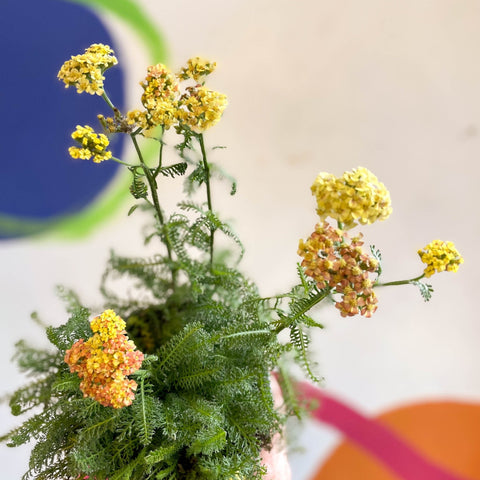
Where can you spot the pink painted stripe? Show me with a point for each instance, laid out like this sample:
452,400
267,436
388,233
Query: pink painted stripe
378,440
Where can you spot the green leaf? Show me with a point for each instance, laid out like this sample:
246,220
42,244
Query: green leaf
138,187
174,170
132,209
426,289
208,442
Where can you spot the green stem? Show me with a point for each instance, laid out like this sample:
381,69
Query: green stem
108,101
400,282
209,192
153,190
249,332
115,159
160,156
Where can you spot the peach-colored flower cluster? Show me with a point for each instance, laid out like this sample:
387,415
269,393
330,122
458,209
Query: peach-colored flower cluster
335,261
104,361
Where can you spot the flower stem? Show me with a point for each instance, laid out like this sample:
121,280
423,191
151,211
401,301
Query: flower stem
400,282
121,162
209,192
160,155
153,189
108,101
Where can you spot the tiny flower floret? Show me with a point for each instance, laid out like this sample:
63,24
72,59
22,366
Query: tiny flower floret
357,197
85,71
104,361
440,256
335,261
91,145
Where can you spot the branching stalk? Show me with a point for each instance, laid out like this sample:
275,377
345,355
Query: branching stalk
160,155
400,282
121,162
209,192
108,101
153,189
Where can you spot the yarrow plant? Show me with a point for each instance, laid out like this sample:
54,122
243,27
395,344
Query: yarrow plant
173,379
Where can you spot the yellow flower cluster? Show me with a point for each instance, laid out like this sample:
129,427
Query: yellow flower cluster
334,261
357,197
196,108
92,145
104,361
440,256
197,69
160,92
85,71
202,108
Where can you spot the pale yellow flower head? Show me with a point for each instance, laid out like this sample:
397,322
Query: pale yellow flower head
91,145
201,108
108,325
440,256
159,98
85,71
357,197
197,69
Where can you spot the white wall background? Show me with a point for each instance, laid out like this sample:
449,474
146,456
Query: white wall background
317,86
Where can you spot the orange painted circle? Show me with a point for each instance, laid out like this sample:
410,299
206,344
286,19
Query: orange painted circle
446,433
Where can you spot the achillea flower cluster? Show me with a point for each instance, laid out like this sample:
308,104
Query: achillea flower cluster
85,71
201,108
357,197
196,108
160,94
92,145
336,262
104,361
440,256
197,69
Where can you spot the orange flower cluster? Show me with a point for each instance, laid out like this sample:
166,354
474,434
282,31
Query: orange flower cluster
336,262
104,361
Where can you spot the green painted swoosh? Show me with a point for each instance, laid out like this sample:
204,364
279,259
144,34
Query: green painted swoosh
130,13
108,202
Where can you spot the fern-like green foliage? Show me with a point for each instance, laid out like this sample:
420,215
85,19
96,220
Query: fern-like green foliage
425,289
203,407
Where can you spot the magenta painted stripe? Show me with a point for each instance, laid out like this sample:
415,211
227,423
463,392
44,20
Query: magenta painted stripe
375,438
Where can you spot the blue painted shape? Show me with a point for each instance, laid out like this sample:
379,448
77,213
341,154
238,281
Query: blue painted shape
38,179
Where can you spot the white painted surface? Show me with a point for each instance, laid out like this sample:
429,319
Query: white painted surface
319,86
